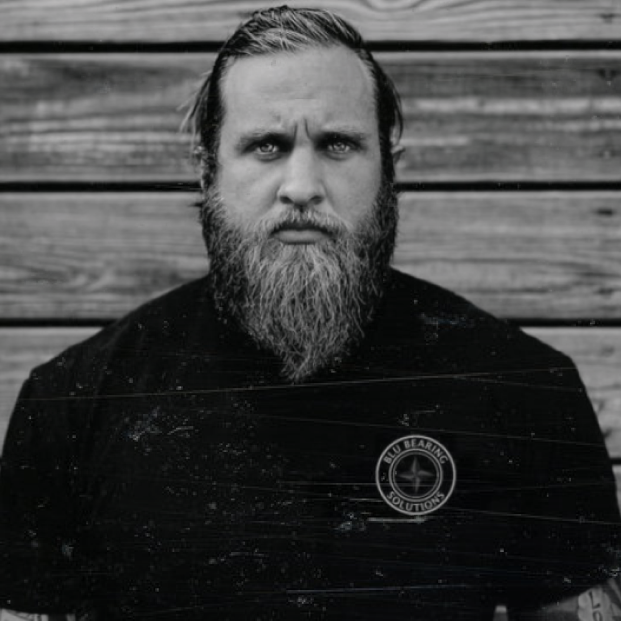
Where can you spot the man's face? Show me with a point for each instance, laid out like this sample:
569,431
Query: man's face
299,133
298,221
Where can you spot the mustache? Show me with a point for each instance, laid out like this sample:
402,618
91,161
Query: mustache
306,220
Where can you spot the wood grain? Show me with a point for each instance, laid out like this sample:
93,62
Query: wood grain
531,255
596,352
94,255
379,20
523,116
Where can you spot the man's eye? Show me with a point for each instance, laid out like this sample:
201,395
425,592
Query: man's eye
340,146
266,148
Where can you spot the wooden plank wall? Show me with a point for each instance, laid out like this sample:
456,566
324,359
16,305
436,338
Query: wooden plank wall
511,179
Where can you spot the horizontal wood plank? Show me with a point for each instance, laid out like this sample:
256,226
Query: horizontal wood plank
379,20
94,255
531,255
527,116
596,352
539,255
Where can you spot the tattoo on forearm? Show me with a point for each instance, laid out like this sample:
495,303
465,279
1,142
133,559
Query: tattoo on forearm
601,603
12,615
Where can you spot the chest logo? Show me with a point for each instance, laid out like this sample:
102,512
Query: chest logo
415,475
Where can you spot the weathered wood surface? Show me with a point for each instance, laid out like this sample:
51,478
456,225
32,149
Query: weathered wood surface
596,352
531,255
73,255
482,116
539,255
212,20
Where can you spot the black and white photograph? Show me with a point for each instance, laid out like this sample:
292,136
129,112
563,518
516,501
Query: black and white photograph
310,310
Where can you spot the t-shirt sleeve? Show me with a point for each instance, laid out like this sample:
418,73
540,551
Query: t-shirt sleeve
563,519
37,520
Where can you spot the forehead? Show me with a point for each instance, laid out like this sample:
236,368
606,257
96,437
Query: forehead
318,86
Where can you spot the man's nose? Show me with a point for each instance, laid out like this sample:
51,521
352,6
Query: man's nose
302,183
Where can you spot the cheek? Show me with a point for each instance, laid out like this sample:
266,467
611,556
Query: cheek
246,192
356,191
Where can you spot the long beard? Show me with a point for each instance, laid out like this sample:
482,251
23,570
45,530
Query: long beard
306,303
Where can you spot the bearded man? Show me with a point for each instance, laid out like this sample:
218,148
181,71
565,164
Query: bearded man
305,432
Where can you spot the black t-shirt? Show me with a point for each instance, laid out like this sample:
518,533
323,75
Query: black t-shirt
163,469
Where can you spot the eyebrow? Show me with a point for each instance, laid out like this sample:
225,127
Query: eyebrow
347,132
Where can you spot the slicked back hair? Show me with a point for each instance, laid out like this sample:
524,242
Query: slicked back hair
283,29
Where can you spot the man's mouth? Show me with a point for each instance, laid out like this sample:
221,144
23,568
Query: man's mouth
301,233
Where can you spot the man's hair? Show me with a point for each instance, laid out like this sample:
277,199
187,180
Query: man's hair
283,29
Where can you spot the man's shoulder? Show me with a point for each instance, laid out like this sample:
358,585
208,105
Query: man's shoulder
167,320
430,299
452,323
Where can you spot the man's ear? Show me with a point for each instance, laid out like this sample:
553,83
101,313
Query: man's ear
397,151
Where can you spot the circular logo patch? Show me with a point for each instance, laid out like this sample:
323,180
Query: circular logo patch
415,475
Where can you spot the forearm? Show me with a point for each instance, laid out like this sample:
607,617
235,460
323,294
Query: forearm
13,615
601,603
